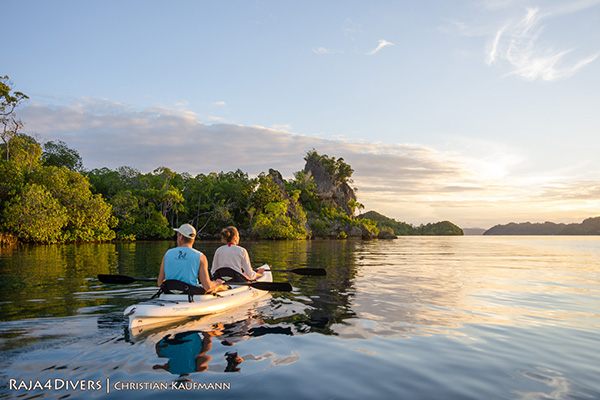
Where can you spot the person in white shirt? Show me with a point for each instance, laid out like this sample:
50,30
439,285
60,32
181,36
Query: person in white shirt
231,260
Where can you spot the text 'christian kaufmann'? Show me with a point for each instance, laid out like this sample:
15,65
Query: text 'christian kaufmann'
105,385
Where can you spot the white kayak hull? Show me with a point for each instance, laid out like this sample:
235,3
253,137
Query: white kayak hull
170,307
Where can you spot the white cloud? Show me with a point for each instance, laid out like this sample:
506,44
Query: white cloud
324,50
520,44
382,43
215,119
183,103
408,182
282,127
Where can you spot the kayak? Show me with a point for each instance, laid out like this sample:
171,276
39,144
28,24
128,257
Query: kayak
170,307
235,319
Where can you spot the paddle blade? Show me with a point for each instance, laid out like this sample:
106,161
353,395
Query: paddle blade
271,286
309,271
121,279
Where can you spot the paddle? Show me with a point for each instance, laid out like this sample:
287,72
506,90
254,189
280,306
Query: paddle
304,271
271,286
122,279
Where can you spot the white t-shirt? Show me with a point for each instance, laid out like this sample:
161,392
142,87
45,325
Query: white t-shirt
234,257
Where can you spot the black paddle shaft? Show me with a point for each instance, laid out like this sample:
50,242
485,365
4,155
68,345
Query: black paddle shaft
271,286
303,271
122,279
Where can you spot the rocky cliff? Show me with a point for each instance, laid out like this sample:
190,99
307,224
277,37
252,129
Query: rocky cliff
332,192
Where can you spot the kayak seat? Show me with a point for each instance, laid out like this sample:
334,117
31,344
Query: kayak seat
226,272
180,287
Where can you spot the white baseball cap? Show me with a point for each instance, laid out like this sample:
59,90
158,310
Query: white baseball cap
186,230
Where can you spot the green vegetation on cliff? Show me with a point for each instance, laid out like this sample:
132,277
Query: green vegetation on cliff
445,228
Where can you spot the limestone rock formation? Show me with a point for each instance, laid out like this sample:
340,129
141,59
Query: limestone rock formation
332,192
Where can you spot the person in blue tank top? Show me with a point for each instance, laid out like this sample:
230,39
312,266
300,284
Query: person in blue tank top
186,264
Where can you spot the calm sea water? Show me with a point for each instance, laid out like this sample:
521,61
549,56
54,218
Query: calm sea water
469,317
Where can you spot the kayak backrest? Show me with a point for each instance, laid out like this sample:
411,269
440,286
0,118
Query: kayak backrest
180,287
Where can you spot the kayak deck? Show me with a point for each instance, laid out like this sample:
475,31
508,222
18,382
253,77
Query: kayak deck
169,307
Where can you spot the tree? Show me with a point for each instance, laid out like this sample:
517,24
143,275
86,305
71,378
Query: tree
25,152
10,124
275,223
36,216
89,217
108,182
216,200
12,180
266,193
309,199
58,154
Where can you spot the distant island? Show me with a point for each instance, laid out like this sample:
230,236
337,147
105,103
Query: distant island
590,226
386,224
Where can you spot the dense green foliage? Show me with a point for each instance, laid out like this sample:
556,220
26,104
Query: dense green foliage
48,204
47,197
445,228
42,199
147,205
58,154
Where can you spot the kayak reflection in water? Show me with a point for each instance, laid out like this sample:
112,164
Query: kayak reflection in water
187,353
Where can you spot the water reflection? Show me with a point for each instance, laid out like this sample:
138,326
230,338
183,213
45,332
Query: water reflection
326,300
48,280
386,288
465,317
552,384
437,285
186,352
211,342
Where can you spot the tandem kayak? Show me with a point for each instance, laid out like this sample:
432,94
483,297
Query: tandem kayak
170,307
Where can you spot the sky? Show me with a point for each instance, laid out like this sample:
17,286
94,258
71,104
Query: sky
477,112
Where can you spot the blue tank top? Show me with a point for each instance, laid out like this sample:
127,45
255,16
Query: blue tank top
183,264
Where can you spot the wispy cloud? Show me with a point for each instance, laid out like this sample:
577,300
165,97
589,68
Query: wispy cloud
409,182
519,44
283,128
324,50
382,43
182,103
352,28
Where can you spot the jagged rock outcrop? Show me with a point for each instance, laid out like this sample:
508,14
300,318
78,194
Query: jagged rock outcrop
331,192
277,178
336,198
